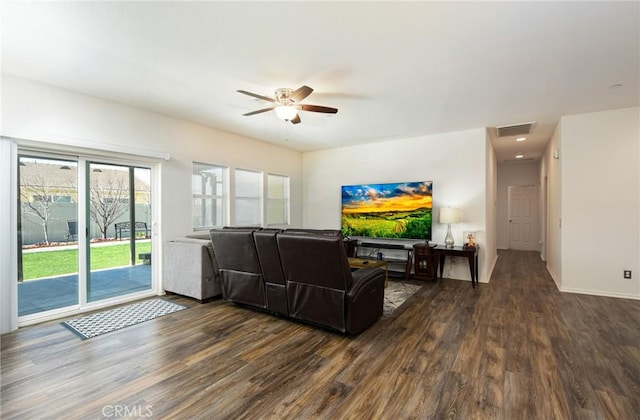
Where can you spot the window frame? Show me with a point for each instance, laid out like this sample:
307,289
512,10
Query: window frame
286,200
221,200
259,199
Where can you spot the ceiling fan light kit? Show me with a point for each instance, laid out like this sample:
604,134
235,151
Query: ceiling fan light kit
286,104
286,112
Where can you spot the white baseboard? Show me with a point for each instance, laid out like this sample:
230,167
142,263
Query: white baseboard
589,291
600,293
553,276
492,266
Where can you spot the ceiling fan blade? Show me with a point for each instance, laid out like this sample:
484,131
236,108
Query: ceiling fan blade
318,108
259,111
296,120
301,93
255,95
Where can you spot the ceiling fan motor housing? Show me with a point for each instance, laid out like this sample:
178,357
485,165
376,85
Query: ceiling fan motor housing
283,96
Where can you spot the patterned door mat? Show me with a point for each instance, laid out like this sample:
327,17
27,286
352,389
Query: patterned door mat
395,294
124,316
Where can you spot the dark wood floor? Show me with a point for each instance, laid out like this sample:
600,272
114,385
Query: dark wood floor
515,348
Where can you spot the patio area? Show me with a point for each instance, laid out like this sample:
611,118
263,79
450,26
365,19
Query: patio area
57,292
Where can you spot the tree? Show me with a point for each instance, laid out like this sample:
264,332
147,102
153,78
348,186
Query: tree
38,198
109,200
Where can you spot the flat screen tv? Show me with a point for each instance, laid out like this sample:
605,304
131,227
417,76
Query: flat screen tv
399,210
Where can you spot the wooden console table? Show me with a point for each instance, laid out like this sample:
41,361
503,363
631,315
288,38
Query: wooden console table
408,248
440,252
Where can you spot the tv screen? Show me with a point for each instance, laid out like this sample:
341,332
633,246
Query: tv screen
394,210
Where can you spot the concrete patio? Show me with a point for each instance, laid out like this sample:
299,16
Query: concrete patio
58,292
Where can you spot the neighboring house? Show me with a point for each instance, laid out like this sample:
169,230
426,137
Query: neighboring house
48,193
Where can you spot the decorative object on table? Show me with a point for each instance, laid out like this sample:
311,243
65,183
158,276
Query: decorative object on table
469,240
121,317
449,215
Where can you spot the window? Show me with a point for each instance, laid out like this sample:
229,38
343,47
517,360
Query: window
211,199
248,206
208,195
277,200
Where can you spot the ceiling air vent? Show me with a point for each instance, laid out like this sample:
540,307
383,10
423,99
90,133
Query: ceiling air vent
515,130
518,160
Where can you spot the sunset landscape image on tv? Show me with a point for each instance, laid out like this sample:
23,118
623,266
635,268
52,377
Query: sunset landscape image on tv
394,210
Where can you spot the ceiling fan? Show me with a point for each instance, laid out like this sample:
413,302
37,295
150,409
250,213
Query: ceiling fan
286,104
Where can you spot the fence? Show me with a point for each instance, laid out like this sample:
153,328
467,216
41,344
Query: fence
58,231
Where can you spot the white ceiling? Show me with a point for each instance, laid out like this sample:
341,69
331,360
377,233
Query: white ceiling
393,69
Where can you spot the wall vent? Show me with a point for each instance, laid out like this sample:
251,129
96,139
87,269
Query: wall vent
518,160
515,129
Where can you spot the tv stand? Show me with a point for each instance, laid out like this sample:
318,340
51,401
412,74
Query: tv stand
408,248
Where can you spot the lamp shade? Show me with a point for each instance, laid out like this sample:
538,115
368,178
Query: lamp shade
286,112
449,215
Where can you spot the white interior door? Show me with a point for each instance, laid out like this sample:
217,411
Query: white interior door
522,210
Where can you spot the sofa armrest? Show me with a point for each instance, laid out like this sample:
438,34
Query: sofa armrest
201,235
190,268
203,241
363,277
365,299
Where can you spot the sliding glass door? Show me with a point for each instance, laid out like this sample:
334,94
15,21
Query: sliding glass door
84,232
120,230
47,234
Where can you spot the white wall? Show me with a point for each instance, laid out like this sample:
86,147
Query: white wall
512,174
600,157
551,168
490,248
455,162
542,207
44,113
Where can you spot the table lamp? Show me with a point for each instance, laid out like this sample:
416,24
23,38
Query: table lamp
449,215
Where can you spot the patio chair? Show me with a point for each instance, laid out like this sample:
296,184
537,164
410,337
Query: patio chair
72,229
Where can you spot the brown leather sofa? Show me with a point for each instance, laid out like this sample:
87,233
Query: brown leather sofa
240,273
274,282
300,274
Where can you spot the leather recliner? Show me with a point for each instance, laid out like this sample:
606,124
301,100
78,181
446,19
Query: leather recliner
325,232
240,273
269,258
321,288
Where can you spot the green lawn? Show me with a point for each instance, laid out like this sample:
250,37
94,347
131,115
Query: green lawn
54,263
